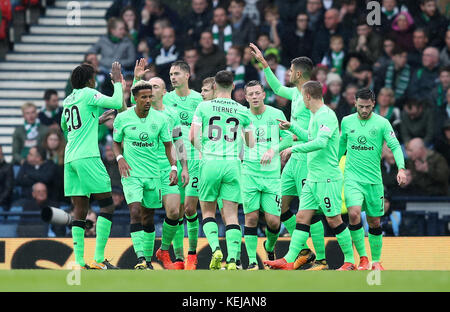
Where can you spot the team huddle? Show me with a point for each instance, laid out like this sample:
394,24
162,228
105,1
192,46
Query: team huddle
180,148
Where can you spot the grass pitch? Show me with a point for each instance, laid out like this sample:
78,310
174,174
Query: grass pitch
222,281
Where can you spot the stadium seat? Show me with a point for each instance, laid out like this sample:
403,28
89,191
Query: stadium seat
8,229
15,209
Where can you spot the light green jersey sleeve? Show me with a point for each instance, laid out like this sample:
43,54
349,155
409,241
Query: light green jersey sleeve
114,102
286,137
118,130
394,145
324,133
276,86
165,134
301,133
343,139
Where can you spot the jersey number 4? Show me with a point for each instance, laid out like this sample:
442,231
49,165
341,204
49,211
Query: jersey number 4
218,132
73,116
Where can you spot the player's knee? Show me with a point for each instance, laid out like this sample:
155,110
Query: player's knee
354,216
172,214
374,222
251,221
273,222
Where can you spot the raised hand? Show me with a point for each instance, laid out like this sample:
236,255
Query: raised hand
139,69
257,54
116,72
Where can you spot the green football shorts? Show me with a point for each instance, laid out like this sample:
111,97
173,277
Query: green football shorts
167,189
293,177
326,196
86,176
191,189
258,192
369,196
220,179
146,191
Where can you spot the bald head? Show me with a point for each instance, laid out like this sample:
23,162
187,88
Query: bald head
158,89
416,149
331,19
430,57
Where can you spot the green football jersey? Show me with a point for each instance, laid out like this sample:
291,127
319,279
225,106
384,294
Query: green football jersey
363,140
322,146
300,115
174,125
79,120
142,138
185,107
267,135
223,121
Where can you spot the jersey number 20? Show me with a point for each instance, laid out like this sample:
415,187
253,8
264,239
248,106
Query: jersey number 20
71,114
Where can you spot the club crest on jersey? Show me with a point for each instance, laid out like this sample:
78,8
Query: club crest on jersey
392,134
98,95
324,128
184,116
362,140
373,132
260,132
143,136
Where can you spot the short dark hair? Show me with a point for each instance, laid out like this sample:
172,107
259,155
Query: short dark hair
48,94
240,2
253,83
81,75
414,103
41,152
444,69
304,64
365,94
183,65
314,89
141,85
224,78
398,50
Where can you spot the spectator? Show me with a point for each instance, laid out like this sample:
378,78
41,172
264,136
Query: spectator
334,89
322,37
169,52
389,171
198,19
385,108
429,169
28,135
154,39
219,3
416,122
101,83
239,95
242,73
279,71
129,16
346,105
266,46
432,21
402,31
272,25
334,58
155,10
319,73
442,143
444,57
352,62
420,41
6,182
109,160
438,95
50,115
118,198
389,11
398,75
364,76
211,58
91,216
366,42
425,79
297,42
115,46
35,169
383,61
289,9
348,14
118,5
221,30
315,13
243,29
191,57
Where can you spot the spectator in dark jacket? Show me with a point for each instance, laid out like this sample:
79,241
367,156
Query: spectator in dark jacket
50,115
397,75
426,78
244,31
442,143
366,42
211,59
28,135
420,42
242,73
154,10
35,169
444,57
417,122
118,5
315,12
6,182
346,105
429,169
198,19
432,21
403,30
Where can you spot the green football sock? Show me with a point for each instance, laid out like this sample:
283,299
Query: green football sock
78,241
298,242
103,230
272,236
233,236
211,231
376,243
178,241
148,242
345,242
251,243
317,237
136,234
357,233
192,229
169,230
289,221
